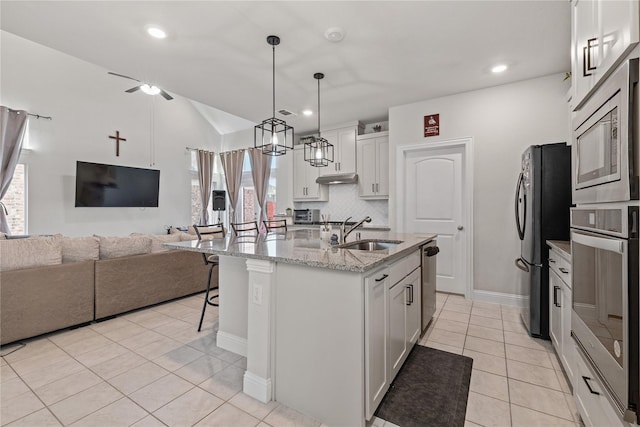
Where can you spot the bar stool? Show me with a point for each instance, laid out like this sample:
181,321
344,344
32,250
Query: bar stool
245,227
203,231
276,225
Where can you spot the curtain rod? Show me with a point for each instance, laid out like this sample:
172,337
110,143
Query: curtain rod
37,116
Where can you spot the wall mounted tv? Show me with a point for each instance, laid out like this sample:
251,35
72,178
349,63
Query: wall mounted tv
111,186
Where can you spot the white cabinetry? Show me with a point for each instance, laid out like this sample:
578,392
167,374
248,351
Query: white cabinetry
603,33
392,324
344,149
377,378
304,179
560,310
593,406
373,165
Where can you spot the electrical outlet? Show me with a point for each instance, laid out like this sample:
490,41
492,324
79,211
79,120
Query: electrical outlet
257,294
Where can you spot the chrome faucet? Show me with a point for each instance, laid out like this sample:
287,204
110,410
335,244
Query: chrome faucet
344,233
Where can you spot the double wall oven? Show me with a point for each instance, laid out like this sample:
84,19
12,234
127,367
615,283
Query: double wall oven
605,319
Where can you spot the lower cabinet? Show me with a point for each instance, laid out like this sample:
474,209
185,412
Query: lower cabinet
593,406
560,311
376,338
392,325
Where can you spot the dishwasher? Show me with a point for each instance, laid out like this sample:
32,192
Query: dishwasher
429,252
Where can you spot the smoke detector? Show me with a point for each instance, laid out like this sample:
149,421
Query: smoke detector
334,34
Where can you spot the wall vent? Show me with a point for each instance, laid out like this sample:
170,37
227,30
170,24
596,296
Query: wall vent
285,112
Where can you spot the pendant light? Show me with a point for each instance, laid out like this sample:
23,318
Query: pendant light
273,136
317,150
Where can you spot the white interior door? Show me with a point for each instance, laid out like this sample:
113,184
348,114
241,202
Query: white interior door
434,202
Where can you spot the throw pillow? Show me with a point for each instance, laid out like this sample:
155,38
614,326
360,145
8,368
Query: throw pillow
16,254
157,241
80,249
116,247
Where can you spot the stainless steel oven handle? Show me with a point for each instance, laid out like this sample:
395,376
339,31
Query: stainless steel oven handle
611,245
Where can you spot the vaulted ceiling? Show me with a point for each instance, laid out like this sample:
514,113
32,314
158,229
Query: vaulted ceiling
393,52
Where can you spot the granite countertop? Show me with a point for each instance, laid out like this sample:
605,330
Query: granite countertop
304,247
563,246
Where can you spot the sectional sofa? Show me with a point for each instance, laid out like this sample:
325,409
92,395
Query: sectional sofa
54,282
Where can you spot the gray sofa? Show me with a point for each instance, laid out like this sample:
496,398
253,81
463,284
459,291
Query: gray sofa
61,292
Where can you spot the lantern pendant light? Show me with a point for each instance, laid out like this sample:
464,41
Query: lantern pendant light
273,136
317,150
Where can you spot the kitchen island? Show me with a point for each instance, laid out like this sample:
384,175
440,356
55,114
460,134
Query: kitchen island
316,322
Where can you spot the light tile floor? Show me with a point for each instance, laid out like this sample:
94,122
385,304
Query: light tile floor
516,380
152,368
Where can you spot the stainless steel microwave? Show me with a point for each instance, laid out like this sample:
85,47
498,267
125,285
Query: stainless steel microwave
605,152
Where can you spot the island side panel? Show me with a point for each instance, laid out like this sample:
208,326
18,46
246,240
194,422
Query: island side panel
319,351
233,310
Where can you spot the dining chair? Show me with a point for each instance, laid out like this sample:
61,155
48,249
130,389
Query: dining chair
206,232
245,227
276,225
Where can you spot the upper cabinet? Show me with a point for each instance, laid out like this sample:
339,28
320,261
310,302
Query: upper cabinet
373,165
304,179
603,33
344,146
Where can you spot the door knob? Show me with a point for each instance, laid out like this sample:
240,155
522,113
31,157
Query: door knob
460,227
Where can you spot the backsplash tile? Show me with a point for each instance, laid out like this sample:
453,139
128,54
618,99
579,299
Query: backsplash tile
344,201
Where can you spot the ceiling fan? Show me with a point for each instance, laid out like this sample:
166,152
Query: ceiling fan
145,87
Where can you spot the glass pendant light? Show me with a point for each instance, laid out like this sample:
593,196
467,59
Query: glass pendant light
273,136
317,150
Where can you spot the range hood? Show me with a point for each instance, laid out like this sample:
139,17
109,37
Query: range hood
343,178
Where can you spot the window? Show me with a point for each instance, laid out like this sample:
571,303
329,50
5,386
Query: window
248,203
15,201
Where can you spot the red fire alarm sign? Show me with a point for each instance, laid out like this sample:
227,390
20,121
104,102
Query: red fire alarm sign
432,125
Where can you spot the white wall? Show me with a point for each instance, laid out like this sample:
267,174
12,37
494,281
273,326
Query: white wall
88,105
502,121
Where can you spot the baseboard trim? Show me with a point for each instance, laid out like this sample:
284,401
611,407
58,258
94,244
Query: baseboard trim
257,387
500,298
232,343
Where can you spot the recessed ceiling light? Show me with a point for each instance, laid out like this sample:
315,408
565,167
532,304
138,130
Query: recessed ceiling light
307,112
156,32
499,68
334,34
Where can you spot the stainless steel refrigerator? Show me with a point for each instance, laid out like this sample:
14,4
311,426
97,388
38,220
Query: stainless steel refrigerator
542,202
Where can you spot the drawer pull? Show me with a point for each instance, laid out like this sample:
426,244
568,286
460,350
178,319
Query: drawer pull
552,261
384,276
586,381
564,270
555,295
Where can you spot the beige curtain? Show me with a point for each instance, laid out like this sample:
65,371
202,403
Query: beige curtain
13,125
205,175
232,164
260,170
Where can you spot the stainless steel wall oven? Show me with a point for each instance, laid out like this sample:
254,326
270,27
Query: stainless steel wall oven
605,153
605,321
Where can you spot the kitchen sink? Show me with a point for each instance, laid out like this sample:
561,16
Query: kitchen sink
370,245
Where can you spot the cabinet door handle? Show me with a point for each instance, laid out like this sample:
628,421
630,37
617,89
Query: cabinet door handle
407,294
373,188
552,261
564,270
384,276
586,57
586,381
377,188
555,296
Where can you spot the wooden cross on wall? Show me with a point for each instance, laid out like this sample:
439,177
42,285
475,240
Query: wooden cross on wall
118,139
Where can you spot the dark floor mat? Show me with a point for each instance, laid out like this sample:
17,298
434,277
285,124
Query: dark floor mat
431,389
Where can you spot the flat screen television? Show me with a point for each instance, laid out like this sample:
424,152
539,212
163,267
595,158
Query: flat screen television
111,186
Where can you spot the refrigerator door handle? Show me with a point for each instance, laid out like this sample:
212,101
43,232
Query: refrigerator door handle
520,227
522,265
